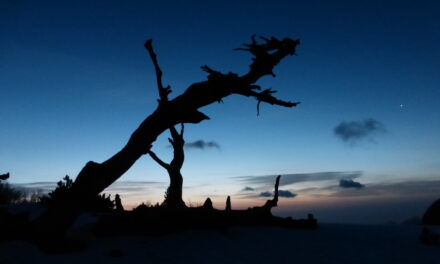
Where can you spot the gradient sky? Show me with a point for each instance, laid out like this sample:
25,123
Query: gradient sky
75,81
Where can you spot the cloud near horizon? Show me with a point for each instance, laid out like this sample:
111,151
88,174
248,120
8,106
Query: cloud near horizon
286,194
286,179
120,187
348,183
201,144
265,194
281,193
404,189
354,131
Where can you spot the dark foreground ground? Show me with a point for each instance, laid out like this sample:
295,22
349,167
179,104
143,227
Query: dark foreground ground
330,243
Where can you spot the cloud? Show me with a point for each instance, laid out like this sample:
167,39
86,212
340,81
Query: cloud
43,187
347,183
265,194
200,144
404,189
356,130
247,189
286,194
286,179
116,187
281,193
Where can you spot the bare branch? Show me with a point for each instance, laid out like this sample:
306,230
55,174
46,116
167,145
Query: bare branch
163,91
267,55
158,160
267,97
182,128
216,75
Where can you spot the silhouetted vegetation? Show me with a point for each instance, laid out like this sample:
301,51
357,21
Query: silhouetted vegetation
8,194
11,226
228,204
60,195
4,176
118,203
163,220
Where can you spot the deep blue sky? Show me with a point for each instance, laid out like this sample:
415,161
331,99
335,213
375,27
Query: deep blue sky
75,81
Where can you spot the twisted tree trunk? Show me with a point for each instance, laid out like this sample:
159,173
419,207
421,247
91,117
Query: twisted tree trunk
173,196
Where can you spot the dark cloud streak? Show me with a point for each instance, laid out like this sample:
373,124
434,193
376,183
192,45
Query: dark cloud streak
286,194
265,194
201,144
281,193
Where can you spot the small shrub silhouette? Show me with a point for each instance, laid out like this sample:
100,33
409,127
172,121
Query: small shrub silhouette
60,194
9,195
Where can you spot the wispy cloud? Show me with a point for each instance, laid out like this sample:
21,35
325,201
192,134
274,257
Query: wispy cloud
201,144
347,183
117,187
404,189
41,187
247,189
286,179
354,131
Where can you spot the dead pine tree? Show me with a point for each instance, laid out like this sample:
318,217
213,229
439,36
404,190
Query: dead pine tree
95,177
173,195
267,207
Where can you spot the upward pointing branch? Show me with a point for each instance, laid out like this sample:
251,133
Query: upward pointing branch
163,91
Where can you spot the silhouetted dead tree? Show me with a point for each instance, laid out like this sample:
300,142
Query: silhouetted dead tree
118,203
267,207
228,207
274,202
173,196
95,177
